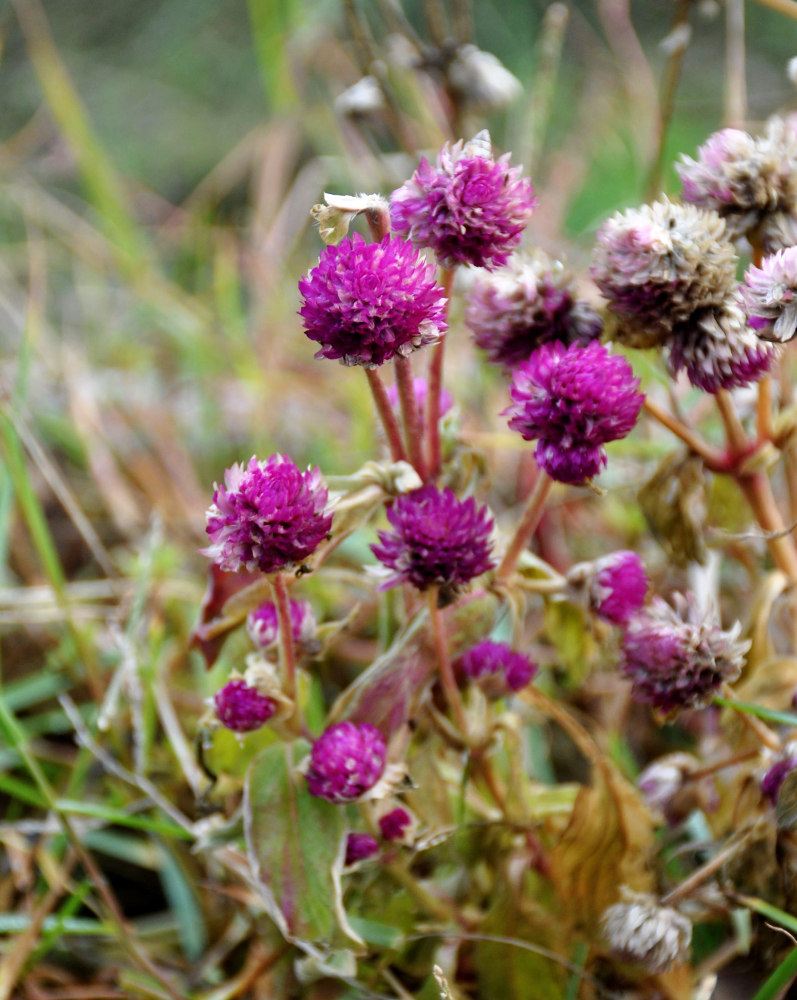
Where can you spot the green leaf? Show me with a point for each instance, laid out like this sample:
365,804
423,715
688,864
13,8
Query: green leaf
185,904
779,979
294,841
769,911
767,714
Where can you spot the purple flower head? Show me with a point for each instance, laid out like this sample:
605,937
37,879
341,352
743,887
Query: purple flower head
242,708
677,657
393,824
775,775
437,540
497,668
769,294
346,761
360,846
262,624
364,303
573,400
267,516
469,208
421,390
717,350
618,587
527,303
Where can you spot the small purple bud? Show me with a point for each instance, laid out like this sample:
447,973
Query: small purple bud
394,823
242,708
360,846
262,624
497,668
619,587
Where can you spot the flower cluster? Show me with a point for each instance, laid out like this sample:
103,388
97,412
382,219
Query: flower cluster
469,208
530,302
267,516
497,668
364,303
346,761
573,400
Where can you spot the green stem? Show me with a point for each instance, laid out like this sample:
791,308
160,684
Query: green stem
287,652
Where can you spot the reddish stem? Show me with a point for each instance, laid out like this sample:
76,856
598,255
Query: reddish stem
413,434
447,678
526,527
386,415
435,386
713,458
287,654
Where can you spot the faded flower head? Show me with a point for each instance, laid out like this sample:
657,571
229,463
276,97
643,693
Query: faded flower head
718,350
421,389
267,516
525,304
262,624
497,668
364,303
750,182
469,208
393,824
346,761
677,657
436,541
661,781
769,294
615,585
242,708
659,263
360,846
573,400
640,930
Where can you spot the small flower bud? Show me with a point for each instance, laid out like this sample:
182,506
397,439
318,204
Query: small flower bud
393,825
497,668
360,846
615,585
242,708
262,624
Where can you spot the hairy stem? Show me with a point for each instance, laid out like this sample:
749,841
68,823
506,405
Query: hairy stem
526,527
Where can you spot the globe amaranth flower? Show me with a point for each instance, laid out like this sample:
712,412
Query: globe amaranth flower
364,303
769,294
346,761
527,303
573,400
242,708
615,585
267,516
262,624
497,668
659,263
640,930
421,389
469,208
436,541
393,824
677,657
360,846
751,182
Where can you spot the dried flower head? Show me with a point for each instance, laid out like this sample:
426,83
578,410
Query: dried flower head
364,303
242,708
677,657
769,294
497,668
573,400
346,761
421,389
262,624
525,304
640,930
469,208
659,263
436,541
360,846
750,182
718,350
615,585
661,781
393,825
267,516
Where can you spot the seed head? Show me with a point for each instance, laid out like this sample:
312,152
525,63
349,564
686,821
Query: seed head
346,761
769,294
640,930
497,668
242,708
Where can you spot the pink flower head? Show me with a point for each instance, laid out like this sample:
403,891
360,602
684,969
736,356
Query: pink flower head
262,624
360,846
364,303
346,761
242,708
573,400
267,516
497,668
437,540
769,294
618,587
469,208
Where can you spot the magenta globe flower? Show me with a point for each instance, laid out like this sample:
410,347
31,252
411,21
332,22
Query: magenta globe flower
436,541
469,208
267,516
364,303
573,400
360,846
498,668
242,708
769,294
346,761
262,624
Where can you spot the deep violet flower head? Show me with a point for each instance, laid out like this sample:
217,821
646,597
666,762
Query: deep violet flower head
360,846
268,515
615,585
469,208
436,541
364,303
497,668
769,294
346,761
262,624
394,823
242,708
421,389
639,929
527,303
573,400
678,656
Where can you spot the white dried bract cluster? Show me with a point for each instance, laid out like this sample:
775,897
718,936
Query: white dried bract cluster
640,930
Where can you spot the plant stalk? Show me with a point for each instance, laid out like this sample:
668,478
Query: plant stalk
526,527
